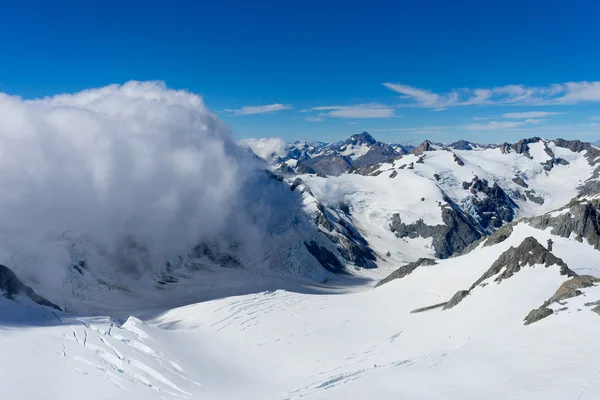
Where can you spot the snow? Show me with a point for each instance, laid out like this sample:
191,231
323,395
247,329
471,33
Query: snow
356,151
329,345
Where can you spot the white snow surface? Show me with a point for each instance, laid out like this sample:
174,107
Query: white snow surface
352,342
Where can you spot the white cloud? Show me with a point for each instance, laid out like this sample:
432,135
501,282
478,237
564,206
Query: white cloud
264,109
351,123
266,148
530,114
358,111
554,94
314,119
499,125
137,172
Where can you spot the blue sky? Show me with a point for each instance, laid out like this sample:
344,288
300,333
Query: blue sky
486,71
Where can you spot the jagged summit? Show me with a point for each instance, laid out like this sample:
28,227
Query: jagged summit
423,147
361,139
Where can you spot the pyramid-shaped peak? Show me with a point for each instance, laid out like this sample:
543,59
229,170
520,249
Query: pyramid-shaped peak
425,146
362,138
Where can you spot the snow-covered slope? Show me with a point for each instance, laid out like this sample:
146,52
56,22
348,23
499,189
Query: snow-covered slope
329,345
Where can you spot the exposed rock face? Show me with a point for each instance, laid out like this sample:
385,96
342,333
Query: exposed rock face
579,217
423,147
457,298
530,252
301,185
304,169
570,288
499,236
11,287
458,160
520,181
379,153
332,164
393,174
548,165
458,231
521,147
577,146
531,196
325,257
285,169
363,138
406,270
495,208
461,145
537,314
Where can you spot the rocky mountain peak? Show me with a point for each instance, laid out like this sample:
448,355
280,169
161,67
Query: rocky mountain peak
361,139
423,147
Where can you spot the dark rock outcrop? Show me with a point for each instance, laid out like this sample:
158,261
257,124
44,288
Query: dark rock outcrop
570,288
377,154
496,208
423,147
458,160
499,236
325,257
461,145
520,181
549,164
406,270
12,287
331,164
580,217
457,298
532,196
530,252
521,147
458,231
537,314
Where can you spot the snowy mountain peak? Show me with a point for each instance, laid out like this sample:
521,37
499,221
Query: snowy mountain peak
363,138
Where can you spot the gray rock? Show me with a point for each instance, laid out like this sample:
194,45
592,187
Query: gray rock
330,164
455,235
11,287
461,145
495,208
581,219
423,147
570,288
533,197
325,257
458,160
393,174
537,314
457,298
596,310
520,181
530,252
499,236
377,154
406,270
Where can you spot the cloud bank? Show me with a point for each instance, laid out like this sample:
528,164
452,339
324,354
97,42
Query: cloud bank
134,163
266,148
